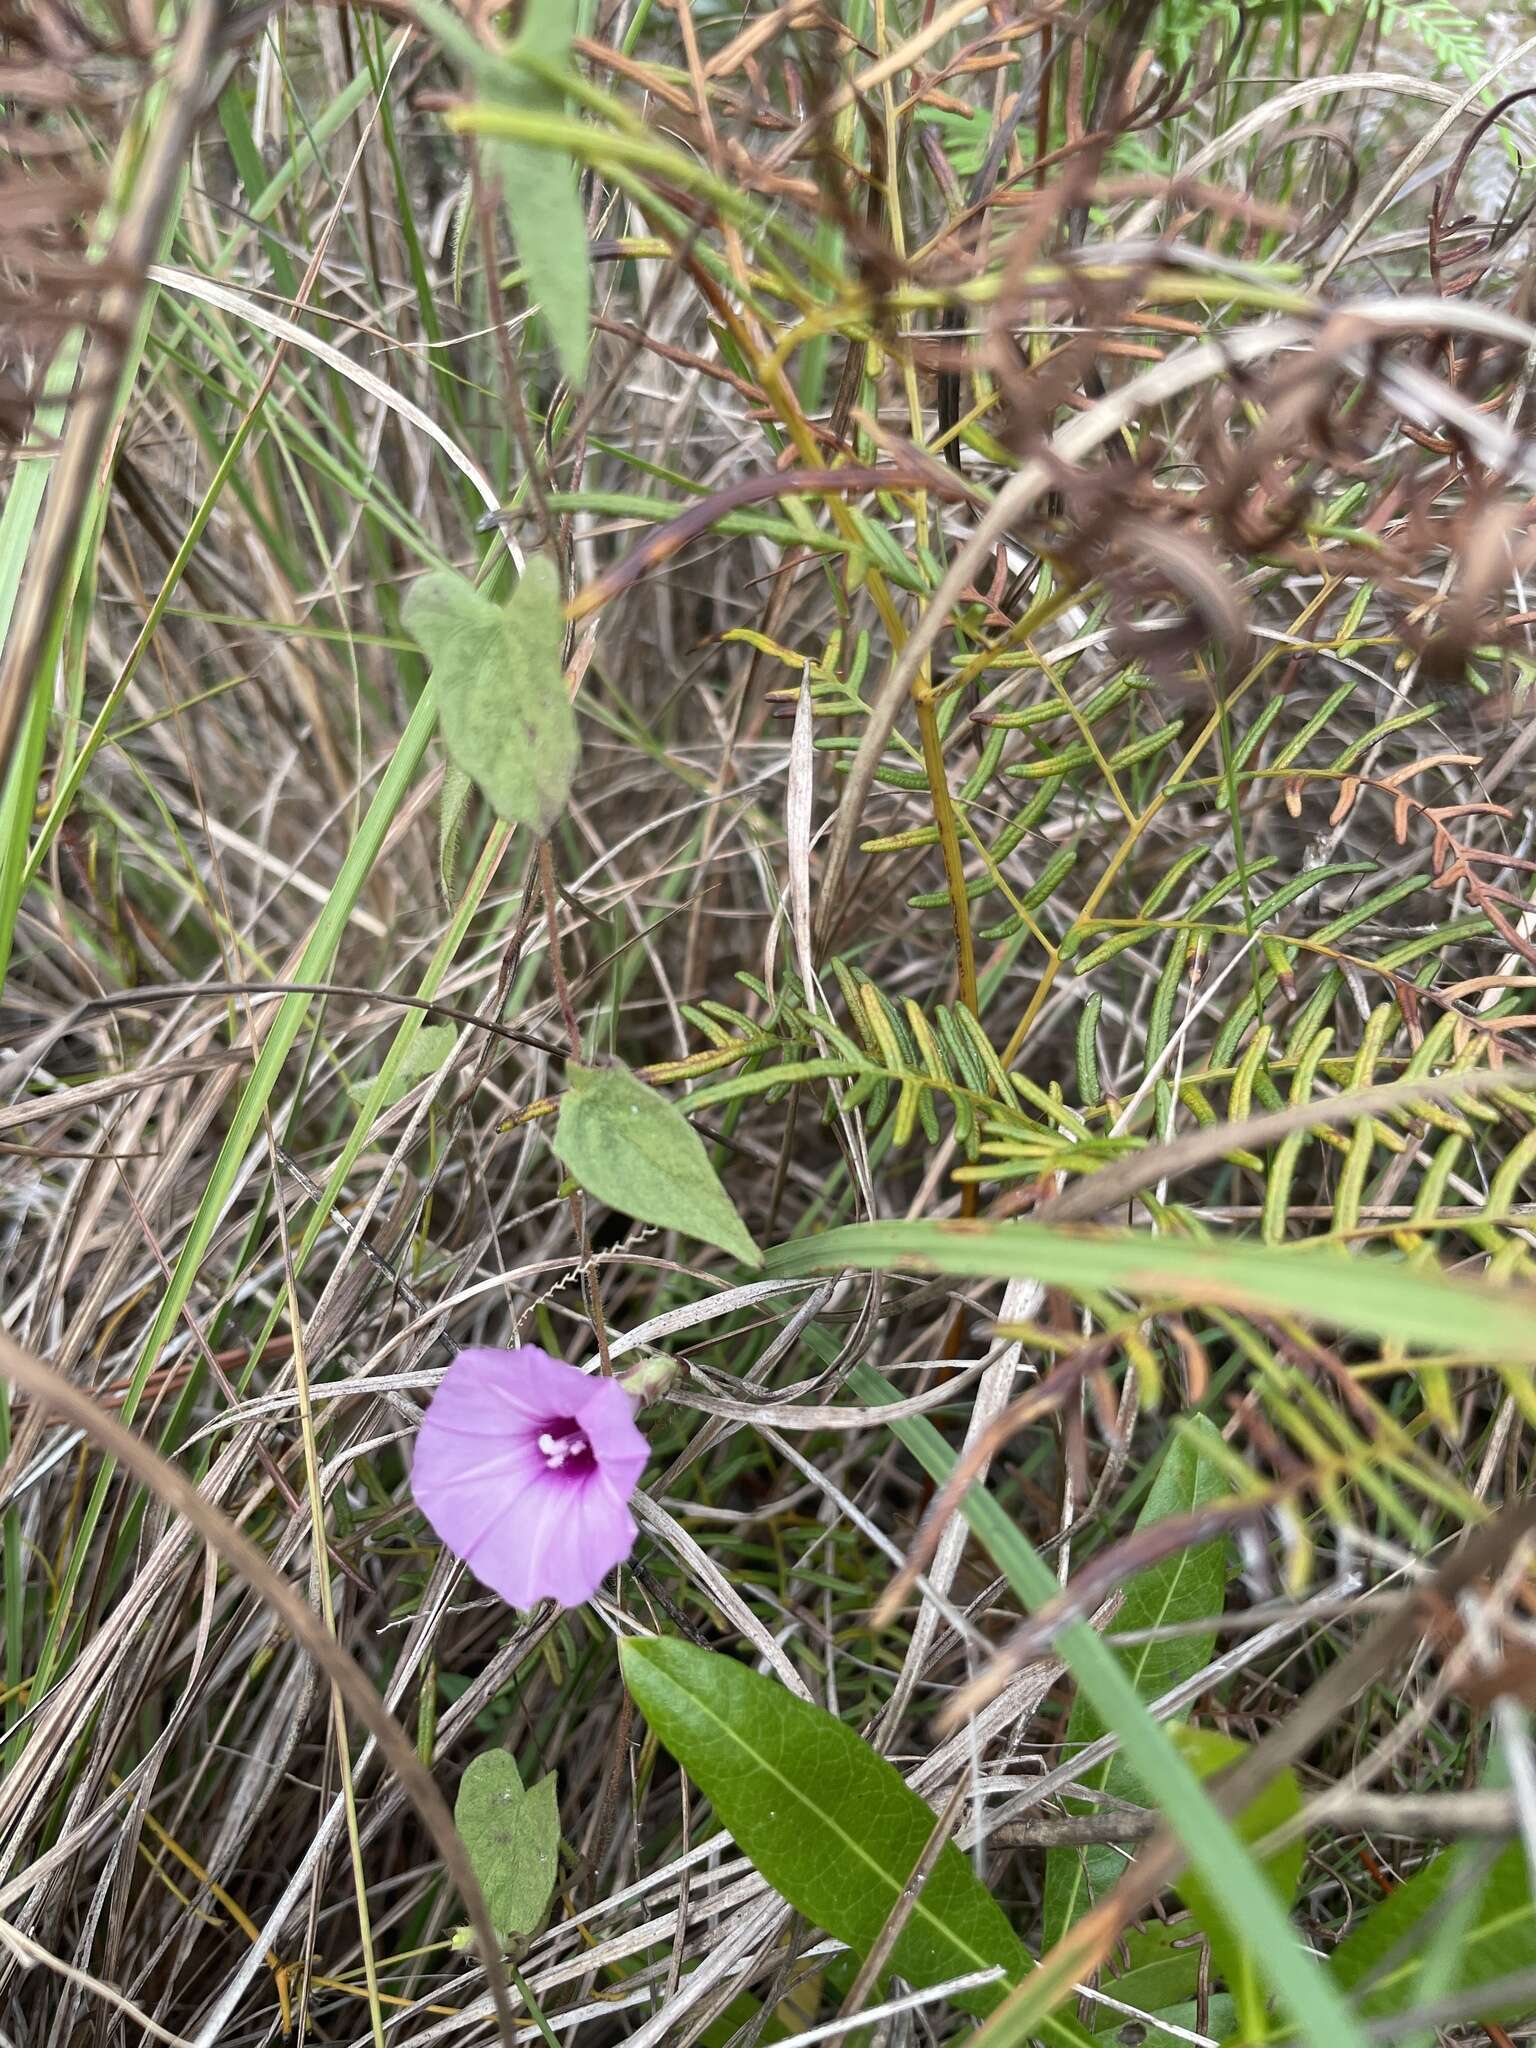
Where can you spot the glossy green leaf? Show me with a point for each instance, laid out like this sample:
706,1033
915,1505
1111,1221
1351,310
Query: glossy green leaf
1384,1961
1280,1801
1216,2020
831,1825
513,1840
632,1148
1379,1296
1212,1842
1160,1979
506,716
1187,1587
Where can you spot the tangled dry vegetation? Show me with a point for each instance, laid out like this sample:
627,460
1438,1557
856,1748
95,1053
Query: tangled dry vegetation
1045,525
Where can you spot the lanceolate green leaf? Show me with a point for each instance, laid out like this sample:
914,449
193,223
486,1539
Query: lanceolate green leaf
633,1149
513,1839
1232,1951
537,177
1158,1970
831,1825
539,191
543,199
1378,1296
1383,1961
1188,1587
1211,1842
506,716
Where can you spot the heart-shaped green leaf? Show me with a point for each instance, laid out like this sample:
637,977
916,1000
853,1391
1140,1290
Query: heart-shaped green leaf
506,715
831,1825
633,1149
512,1836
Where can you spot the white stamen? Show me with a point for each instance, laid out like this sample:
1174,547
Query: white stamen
556,1449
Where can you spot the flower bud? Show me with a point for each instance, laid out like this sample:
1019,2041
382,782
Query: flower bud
649,1377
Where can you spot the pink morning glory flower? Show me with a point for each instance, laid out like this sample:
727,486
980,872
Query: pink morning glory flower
524,1467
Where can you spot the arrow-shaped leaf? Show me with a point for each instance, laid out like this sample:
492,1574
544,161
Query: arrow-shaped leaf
513,1838
506,716
633,1149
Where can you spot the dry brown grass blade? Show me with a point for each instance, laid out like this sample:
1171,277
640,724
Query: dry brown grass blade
48,1389
1409,1816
